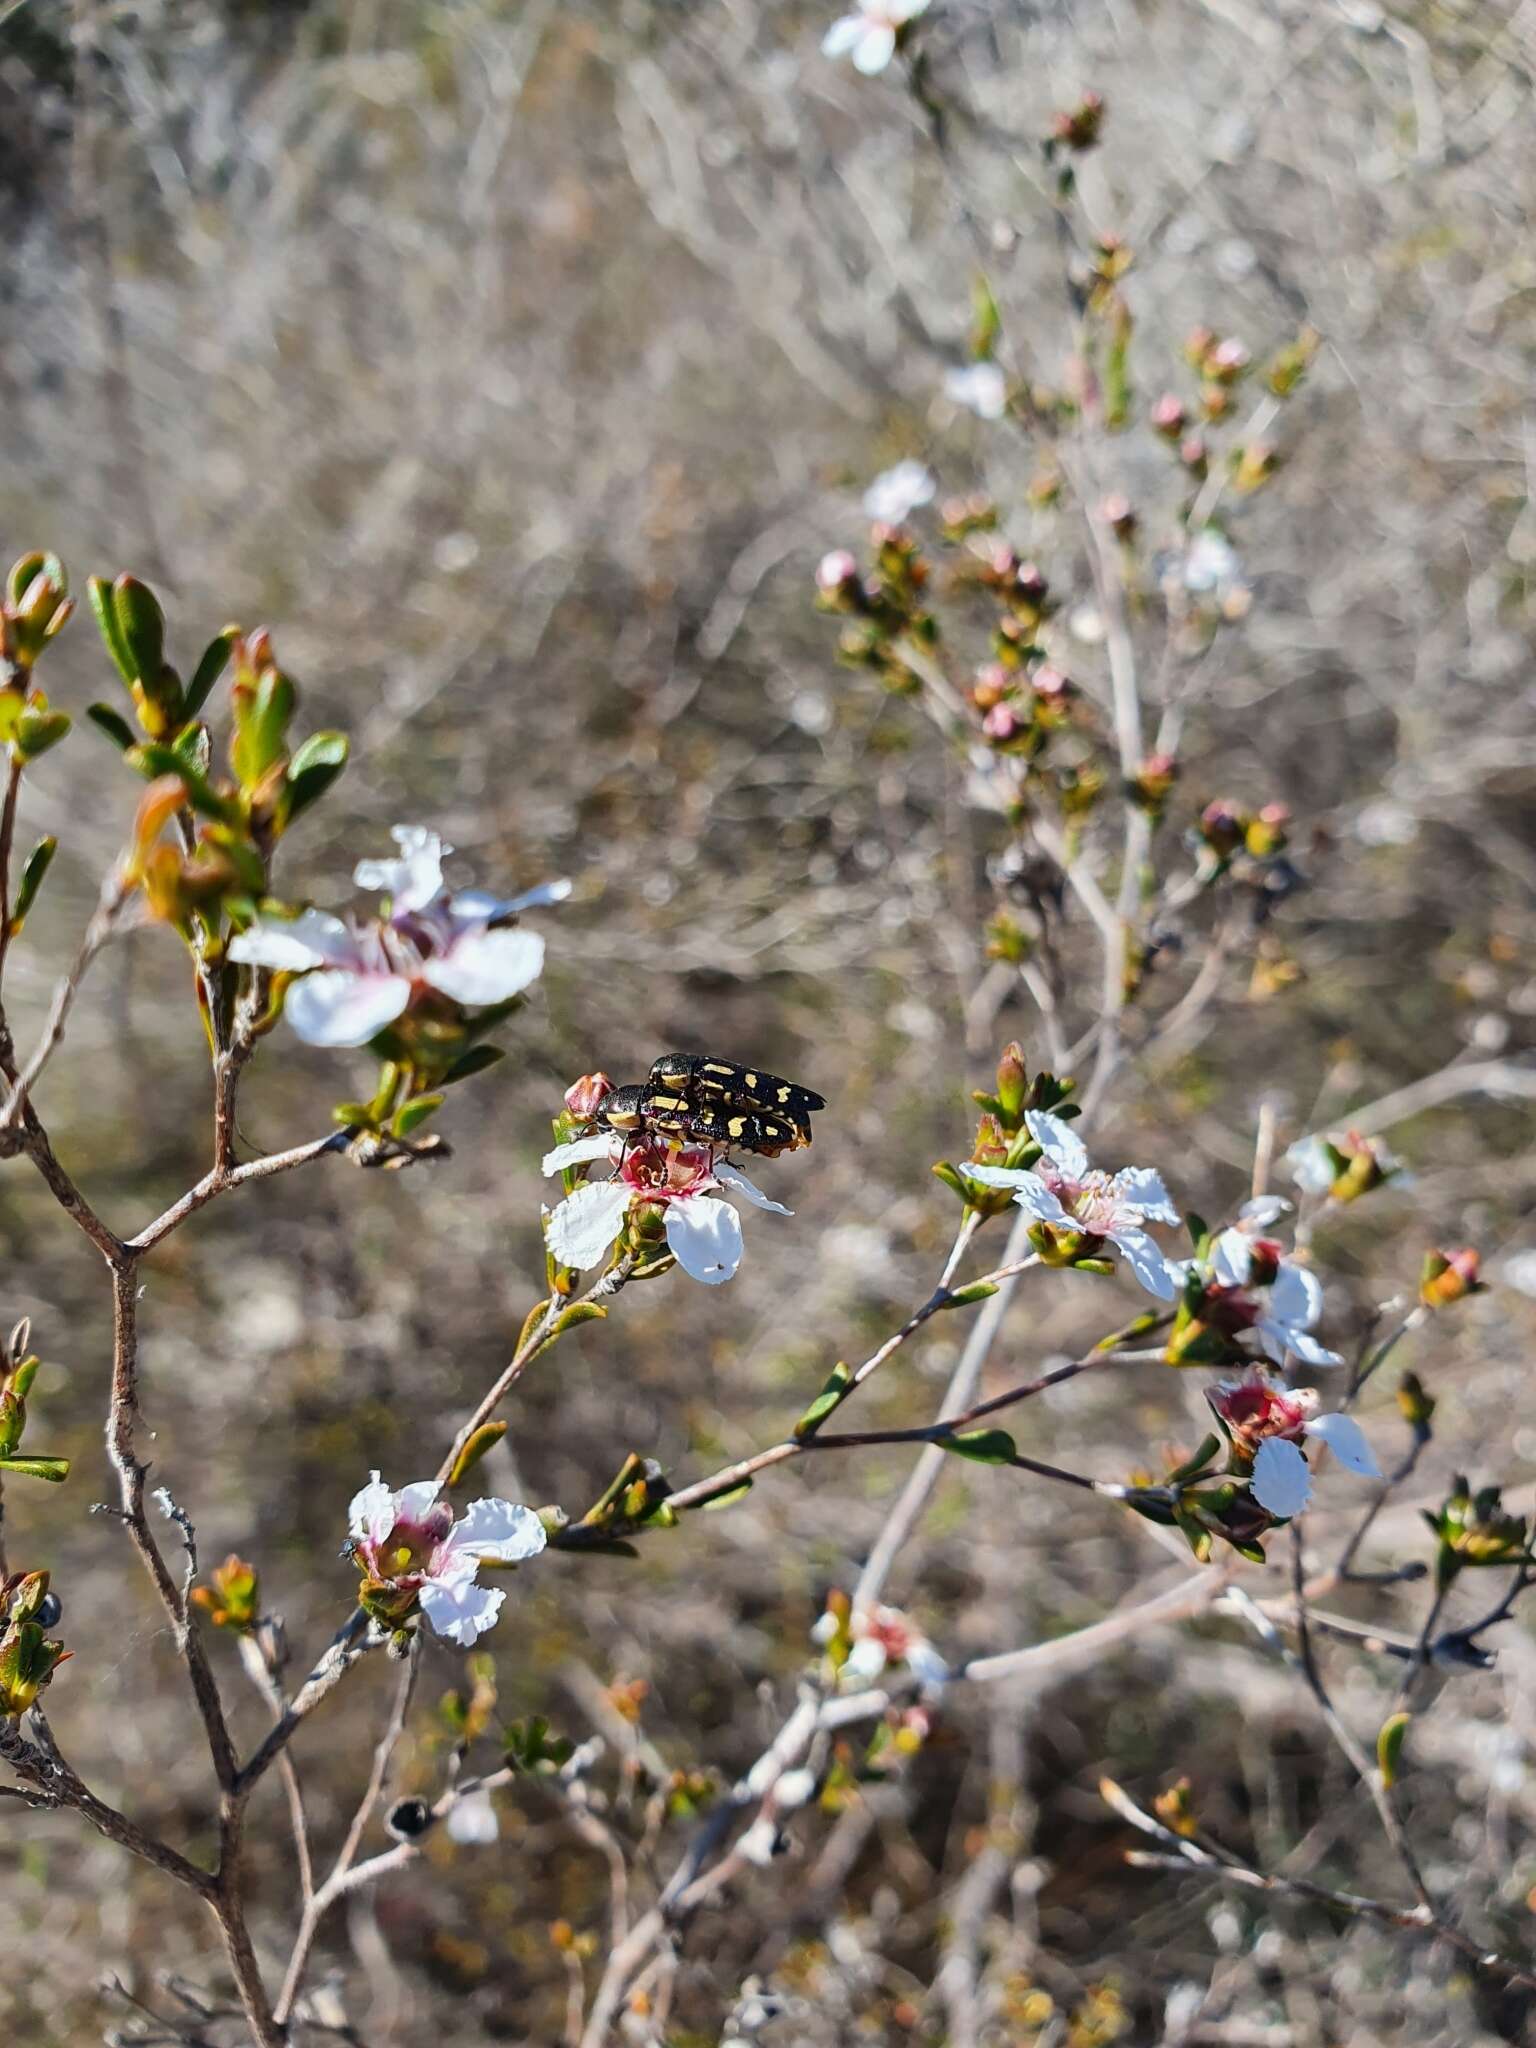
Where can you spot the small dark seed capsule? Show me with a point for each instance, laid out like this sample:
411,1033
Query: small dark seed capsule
50,1611
409,1819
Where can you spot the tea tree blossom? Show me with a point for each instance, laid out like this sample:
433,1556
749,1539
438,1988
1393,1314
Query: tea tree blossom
1279,1300
1267,1423
980,387
1079,1208
703,1233
871,33
882,1636
414,1555
432,942
897,493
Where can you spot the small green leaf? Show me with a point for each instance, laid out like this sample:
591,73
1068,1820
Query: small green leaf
1389,1746
39,860
484,1439
152,759
54,1470
951,1179
37,731
116,727
99,592
831,1397
727,1499
475,1061
982,1446
211,665
140,626
1198,1229
966,1297
413,1113
1209,1447
312,770
579,1312
25,570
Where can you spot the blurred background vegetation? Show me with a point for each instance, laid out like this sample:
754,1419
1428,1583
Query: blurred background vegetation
516,363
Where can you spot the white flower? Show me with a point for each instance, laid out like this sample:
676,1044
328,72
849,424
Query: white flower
981,387
414,1553
703,1233
1293,1302
472,1819
1065,1192
882,1636
896,493
1312,1166
1211,562
1281,1481
869,35
359,977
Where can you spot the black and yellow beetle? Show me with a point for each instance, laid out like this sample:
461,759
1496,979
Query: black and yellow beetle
710,1101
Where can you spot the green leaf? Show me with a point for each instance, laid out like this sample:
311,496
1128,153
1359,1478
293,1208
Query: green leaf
99,592
54,1470
727,1499
112,723
211,665
1198,1229
966,1297
986,320
140,627
1389,1746
39,860
152,759
1209,1448
312,770
410,1114
25,570
475,1061
579,1312
831,1397
484,1439
982,1446
37,731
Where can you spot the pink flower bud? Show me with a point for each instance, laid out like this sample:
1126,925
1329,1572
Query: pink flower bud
835,570
585,1097
1002,723
1168,416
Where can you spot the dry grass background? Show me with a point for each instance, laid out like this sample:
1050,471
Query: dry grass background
515,363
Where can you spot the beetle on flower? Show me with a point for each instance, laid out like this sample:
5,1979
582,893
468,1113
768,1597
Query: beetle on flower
1078,1209
414,1556
431,943
684,1182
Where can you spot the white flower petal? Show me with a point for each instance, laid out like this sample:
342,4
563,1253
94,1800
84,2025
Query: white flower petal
842,35
501,1529
980,386
586,1223
1310,1166
1264,1210
371,1512
927,1666
472,1820
415,1502
486,967
903,10
292,945
875,48
1146,1261
1347,1441
460,1609
867,1658
479,906
412,881
896,493
1143,1186
337,1007
1296,1298
1274,1337
1308,1350
1281,1481
704,1236
1058,1141
1029,1191
578,1151
1231,1259
733,1178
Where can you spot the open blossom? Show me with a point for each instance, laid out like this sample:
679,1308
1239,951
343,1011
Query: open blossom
1268,1422
882,1636
1087,1207
896,493
360,976
981,387
703,1233
1259,1289
869,35
414,1554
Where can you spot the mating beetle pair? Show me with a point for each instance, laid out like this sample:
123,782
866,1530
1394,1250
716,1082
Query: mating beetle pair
712,1101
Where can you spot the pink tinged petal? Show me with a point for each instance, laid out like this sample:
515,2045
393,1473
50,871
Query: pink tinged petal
586,1223
293,945
1347,1441
1059,1142
460,1609
1143,1187
842,35
337,1007
580,1151
472,1820
1231,1259
371,1512
874,49
486,967
499,1529
415,1502
730,1177
704,1236
1281,1482
412,881
1146,1262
